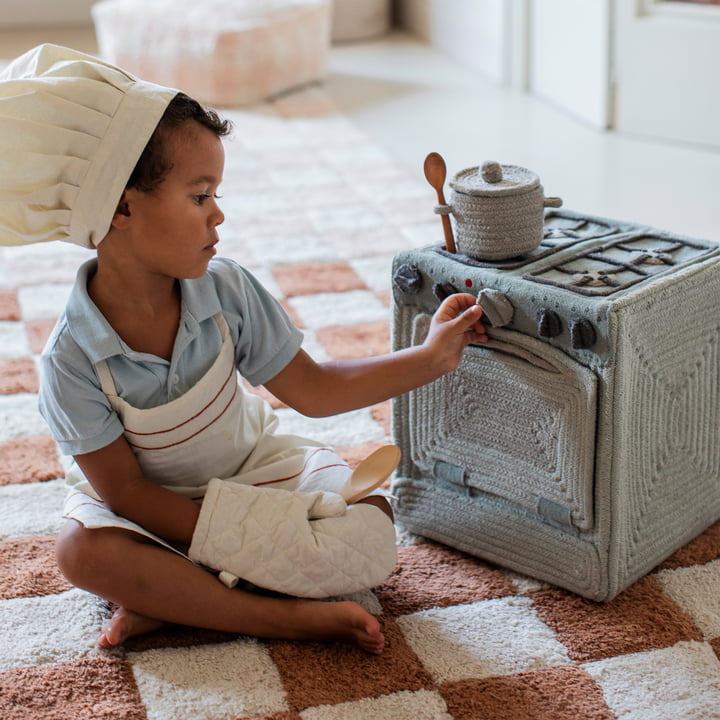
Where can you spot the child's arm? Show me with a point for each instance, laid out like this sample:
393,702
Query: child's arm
116,477
319,390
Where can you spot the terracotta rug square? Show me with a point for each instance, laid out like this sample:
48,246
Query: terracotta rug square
313,278
38,332
18,375
704,548
343,673
429,575
28,568
85,689
9,306
355,341
31,459
640,619
558,693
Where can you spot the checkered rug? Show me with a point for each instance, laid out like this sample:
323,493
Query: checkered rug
317,212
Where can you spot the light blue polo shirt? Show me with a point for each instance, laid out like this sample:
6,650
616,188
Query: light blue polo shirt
78,412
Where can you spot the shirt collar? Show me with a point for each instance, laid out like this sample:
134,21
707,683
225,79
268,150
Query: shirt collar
97,337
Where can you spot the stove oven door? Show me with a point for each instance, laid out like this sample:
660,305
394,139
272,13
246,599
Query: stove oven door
514,423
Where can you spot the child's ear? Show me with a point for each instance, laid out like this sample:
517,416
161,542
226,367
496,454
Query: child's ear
121,218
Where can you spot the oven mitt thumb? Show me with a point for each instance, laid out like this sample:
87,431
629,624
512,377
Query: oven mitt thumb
268,537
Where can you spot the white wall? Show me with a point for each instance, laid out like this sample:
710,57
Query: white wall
15,13
469,31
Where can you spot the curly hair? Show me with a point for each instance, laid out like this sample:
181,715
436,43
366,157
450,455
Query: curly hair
152,165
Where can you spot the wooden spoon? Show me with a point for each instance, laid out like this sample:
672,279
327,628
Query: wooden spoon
372,472
435,173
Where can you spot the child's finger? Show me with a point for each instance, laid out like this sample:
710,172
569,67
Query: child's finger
455,304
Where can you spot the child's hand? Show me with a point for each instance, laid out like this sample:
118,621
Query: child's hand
455,324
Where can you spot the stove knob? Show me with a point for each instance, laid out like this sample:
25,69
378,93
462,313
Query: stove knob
407,279
548,323
582,333
497,309
443,290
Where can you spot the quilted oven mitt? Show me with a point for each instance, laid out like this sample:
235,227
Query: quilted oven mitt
303,544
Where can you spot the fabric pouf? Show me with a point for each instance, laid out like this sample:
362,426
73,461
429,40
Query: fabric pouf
224,53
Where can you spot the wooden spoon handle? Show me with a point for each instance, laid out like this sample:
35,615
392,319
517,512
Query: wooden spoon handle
447,228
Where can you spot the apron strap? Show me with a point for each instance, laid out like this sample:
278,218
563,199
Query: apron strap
107,384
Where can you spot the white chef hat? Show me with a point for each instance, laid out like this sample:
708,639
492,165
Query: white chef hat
72,128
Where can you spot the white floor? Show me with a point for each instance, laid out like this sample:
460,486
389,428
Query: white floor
413,100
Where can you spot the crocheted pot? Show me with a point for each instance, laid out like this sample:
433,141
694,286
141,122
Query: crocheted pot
498,210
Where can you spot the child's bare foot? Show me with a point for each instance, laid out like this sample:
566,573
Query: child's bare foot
346,621
124,624
369,636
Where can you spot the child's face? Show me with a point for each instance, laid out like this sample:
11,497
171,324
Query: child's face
173,227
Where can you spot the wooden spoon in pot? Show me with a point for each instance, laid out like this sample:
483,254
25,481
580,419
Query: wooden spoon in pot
435,173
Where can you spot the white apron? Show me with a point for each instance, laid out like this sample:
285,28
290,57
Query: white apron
215,430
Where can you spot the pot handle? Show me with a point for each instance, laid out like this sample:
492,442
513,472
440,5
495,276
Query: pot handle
552,202
443,209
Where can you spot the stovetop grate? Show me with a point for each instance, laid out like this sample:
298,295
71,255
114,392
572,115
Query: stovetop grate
619,264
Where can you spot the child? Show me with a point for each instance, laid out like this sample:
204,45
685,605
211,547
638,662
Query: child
139,376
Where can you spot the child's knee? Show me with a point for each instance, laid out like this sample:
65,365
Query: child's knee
70,547
81,552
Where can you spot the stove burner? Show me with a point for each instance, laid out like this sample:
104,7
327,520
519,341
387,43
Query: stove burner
593,278
561,224
618,264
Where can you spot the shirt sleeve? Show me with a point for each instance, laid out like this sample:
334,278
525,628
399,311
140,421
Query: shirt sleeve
266,339
76,410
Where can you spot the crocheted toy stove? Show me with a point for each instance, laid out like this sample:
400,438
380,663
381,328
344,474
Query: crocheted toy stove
581,444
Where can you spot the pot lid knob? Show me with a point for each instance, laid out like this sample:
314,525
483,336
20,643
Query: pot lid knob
492,171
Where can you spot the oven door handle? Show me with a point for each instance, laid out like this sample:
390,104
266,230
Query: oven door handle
506,341
512,348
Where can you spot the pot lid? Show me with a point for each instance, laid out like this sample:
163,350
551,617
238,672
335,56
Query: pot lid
492,178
